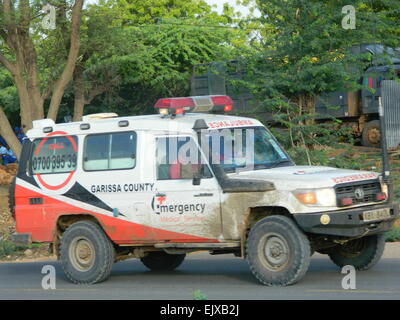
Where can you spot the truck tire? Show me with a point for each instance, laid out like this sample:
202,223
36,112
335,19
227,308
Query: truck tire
87,255
361,253
278,252
162,261
371,134
11,197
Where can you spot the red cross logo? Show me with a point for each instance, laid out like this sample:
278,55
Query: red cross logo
161,199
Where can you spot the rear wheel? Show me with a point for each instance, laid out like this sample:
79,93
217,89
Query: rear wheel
87,255
278,252
361,253
162,261
371,135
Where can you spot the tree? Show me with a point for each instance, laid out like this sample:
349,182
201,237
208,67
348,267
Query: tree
308,49
305,52
134,52
21,37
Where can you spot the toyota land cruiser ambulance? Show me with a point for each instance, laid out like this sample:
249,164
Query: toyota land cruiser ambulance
190,178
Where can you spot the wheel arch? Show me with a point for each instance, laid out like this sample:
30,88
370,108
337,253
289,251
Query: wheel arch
66,220
254,215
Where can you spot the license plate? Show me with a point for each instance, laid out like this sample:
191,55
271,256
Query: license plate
379,214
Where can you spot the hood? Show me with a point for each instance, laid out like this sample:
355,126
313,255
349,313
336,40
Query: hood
306,177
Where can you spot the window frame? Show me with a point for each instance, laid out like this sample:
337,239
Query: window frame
75,137
108,133
198,148
272,137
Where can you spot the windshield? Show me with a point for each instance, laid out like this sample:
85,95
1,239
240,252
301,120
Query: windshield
251,148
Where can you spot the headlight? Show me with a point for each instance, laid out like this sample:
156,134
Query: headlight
317,197
385,189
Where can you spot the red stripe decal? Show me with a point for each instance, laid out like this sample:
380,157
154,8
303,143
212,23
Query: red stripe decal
40,221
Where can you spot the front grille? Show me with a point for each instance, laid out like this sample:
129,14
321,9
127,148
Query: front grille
370,189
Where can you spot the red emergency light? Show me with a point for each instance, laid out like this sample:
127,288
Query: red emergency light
211,104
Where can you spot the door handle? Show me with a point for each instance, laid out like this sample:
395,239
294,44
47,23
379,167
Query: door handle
33,201
204,195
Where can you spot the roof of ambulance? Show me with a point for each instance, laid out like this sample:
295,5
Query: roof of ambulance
181,123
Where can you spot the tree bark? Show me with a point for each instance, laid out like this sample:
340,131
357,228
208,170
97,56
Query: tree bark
8,134
79,93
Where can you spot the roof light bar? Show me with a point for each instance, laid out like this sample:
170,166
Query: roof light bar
211,104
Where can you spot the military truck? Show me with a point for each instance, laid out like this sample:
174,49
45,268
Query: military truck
356,109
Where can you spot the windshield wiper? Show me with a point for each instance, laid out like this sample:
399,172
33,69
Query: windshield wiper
277,163
261,166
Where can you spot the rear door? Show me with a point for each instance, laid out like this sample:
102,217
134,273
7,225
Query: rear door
113,172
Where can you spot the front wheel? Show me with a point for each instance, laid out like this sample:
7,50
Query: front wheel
87,255
361,253
162,261
278,252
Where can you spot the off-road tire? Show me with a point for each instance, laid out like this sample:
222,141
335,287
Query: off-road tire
11,197
274,230
104,253
361,253
162,261
365,140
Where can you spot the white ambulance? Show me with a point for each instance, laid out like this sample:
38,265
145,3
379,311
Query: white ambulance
187,179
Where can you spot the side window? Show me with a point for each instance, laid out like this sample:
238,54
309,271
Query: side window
176,158
112,151
54,155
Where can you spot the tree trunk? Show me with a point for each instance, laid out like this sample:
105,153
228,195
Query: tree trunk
8,134
310,108
79,93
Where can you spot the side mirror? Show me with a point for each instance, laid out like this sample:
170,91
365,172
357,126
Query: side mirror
197,175
196,181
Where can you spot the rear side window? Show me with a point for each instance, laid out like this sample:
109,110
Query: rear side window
112,151
54,155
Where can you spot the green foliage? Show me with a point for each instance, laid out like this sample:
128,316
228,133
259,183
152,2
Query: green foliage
304,53
9,97
132,52
198,295
141,50
393,235
10,248
159,42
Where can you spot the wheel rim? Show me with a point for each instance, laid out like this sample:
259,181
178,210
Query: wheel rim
374,136
82,254
276,252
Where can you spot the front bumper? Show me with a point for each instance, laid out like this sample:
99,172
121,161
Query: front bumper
347,223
